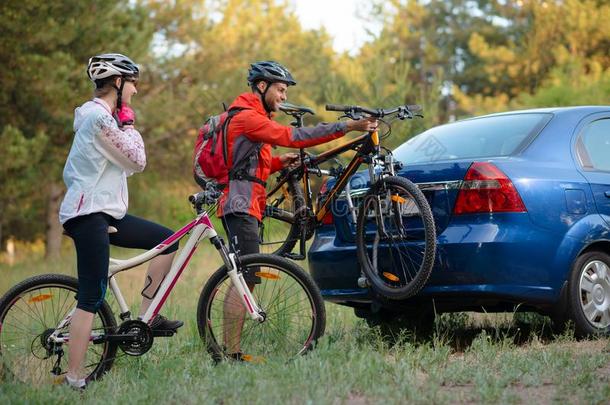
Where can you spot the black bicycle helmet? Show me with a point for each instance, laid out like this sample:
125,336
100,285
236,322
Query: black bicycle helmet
269,71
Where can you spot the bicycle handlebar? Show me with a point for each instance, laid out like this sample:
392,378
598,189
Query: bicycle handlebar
349,110
208,196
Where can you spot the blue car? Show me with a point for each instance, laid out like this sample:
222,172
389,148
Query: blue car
521,202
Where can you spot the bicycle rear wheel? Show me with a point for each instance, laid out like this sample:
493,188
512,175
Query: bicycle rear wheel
295,314
279,230
29,313
396,238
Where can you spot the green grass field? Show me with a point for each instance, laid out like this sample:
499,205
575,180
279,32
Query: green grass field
469,358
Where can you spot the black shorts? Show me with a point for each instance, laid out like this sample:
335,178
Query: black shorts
92,242
242,232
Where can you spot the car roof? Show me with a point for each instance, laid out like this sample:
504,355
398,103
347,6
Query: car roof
584,109
562,117
556,111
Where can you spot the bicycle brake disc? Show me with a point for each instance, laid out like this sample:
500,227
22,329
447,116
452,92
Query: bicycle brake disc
308,219
138,337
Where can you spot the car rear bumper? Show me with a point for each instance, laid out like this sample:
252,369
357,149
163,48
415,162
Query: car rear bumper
504,259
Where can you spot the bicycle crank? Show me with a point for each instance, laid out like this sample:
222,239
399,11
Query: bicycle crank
136,337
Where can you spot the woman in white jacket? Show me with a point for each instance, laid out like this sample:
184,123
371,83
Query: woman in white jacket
106,149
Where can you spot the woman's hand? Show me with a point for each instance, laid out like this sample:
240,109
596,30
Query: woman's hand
126,116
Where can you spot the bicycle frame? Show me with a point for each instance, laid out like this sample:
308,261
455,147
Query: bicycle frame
366,146
200,228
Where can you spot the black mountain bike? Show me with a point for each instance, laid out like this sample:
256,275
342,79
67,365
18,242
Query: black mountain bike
395,231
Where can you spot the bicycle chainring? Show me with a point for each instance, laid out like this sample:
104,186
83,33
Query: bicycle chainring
139,337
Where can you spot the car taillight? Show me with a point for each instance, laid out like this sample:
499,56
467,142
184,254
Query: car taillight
486,189
327,219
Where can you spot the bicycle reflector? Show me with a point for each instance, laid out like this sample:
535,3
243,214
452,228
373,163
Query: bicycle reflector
486,189
267,275
391,277
40,298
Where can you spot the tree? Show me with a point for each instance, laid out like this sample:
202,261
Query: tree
43,56
543,38
208,47
19,177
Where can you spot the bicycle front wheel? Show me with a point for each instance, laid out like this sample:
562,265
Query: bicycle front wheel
29,313
294,312
396,238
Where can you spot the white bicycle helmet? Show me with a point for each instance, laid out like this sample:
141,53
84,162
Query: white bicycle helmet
111,64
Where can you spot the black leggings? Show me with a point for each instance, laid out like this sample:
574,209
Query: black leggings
92,242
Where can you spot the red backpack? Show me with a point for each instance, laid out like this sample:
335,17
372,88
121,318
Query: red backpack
210,156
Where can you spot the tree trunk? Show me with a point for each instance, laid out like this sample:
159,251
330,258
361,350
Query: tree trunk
54,228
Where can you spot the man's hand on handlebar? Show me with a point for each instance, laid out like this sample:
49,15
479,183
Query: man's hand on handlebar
368,124
290,159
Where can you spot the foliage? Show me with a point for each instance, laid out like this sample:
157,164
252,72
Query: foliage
455,57
463,362
43,55
19,178
546,44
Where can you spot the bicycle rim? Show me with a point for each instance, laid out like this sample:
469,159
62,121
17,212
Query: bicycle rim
396,238
277,232
28,316
279,229
292,304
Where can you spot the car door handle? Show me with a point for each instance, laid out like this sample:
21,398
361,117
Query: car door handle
607,194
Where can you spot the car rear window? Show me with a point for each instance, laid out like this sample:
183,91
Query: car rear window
500,135
596,141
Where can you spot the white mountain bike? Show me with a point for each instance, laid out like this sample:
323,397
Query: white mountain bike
281,317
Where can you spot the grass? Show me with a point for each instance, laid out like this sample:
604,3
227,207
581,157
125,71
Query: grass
466,359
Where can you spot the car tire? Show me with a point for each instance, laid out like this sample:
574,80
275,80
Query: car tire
589,294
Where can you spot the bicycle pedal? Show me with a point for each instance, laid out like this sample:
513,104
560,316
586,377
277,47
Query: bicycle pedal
294,256
164,333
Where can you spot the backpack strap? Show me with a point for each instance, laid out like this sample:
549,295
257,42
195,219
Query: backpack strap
225,125
239,171
213,122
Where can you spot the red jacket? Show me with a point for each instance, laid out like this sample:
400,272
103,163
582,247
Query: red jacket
252,128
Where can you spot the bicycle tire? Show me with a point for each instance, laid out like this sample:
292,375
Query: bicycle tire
280,229
295,313
33,308
400,258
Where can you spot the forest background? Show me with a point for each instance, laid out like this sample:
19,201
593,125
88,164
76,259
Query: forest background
457,58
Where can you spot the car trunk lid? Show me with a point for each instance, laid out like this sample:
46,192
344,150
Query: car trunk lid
439,182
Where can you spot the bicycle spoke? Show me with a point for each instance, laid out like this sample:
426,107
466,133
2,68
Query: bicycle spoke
396,238
288,326
27,353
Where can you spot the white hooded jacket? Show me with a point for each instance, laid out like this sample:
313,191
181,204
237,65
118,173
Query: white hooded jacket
101,158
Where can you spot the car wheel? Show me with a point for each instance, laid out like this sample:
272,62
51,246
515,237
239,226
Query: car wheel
589,294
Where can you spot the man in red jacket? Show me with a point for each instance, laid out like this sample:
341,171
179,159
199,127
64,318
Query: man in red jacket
251,133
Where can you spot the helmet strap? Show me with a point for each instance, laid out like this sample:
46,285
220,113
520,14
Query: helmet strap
119,98
263,94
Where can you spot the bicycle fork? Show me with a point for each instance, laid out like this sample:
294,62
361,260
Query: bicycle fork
237,279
